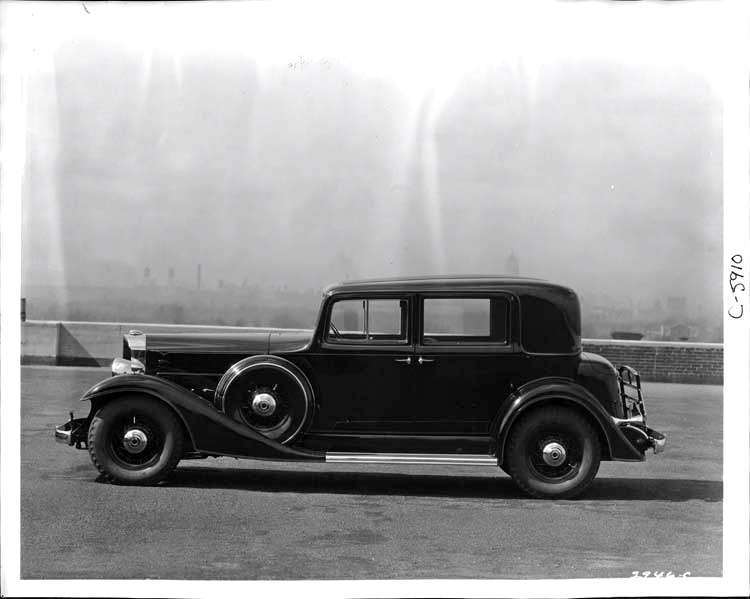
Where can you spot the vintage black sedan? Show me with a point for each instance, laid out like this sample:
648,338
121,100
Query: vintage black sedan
471,370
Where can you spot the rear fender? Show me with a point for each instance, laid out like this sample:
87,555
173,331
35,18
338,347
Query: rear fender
615,445
210,431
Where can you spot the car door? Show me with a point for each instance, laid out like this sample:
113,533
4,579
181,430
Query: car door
363,365
465,360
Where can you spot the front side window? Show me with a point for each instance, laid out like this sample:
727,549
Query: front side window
368,320
458,320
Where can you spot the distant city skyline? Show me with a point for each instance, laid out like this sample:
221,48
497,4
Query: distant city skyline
295,161
252,304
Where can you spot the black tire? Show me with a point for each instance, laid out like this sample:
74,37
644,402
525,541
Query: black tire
553,474
281,388
128,421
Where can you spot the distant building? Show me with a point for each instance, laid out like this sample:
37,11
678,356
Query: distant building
512,266
147,280
680,332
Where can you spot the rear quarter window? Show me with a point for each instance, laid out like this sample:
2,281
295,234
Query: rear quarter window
547,327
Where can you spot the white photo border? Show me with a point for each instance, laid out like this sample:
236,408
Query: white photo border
17,17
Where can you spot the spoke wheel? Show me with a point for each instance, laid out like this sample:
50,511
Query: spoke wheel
553,452
135,440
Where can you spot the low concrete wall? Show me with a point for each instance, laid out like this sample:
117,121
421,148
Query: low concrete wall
96,343
39,342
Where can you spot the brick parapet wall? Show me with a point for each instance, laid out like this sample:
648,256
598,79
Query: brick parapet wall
671,362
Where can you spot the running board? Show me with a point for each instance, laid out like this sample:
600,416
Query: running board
448,459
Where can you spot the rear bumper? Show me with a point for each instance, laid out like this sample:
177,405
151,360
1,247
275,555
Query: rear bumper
74,432
641,436
659,441
633,426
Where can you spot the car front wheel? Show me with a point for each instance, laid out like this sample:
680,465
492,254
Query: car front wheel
553,452
135,441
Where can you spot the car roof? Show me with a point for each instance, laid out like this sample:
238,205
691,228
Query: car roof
442,283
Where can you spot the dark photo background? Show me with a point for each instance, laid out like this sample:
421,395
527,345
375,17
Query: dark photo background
223,166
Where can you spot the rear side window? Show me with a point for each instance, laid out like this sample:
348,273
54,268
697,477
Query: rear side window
547,328
457,320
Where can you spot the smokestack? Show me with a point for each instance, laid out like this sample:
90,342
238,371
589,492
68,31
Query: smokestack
512,264
199,276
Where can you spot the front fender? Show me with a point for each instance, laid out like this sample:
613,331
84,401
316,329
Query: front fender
566,391
210,431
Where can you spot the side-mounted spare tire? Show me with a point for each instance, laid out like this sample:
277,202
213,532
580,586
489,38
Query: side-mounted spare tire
269,394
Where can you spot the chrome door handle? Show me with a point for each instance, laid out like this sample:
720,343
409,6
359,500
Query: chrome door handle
404,360
424,360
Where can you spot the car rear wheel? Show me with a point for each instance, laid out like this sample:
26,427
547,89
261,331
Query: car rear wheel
553,452
135,441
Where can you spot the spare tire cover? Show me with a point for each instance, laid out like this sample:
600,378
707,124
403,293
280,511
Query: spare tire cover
267,393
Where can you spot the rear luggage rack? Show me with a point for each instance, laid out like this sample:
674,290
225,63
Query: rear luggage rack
629,379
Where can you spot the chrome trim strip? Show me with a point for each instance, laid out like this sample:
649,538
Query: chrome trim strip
621,421
410,458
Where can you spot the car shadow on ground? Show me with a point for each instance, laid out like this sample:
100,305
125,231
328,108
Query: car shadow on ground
431,485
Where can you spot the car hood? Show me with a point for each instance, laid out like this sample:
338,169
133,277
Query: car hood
257,341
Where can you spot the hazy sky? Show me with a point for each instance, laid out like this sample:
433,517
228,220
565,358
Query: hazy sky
295,146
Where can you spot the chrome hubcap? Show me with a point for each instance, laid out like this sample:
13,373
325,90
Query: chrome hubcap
264,404
553,454
135,441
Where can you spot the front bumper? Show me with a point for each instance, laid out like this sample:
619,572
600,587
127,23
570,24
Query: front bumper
74,432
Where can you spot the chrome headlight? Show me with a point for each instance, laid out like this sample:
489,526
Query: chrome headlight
123,366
